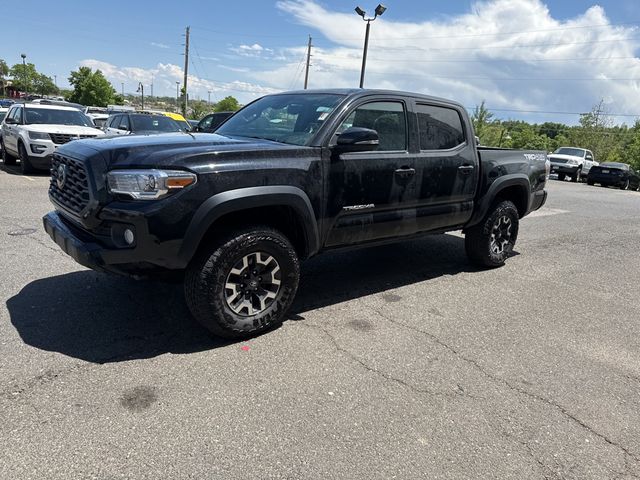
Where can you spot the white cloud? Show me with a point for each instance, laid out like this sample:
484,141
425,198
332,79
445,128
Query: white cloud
254,50
165,76
159,45
511,53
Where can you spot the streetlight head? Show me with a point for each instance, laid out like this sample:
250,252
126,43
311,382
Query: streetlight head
23,55
380,9
360,12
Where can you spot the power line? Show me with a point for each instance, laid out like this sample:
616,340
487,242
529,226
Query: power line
552,112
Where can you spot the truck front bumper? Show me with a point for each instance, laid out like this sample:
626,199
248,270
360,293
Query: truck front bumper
564,168
143,257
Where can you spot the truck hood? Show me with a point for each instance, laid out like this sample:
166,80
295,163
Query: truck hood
560,156
180,149
63,129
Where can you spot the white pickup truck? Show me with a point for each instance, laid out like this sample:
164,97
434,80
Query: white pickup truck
573,162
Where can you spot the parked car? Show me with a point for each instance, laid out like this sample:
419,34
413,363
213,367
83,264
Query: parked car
33,132
98,115
6,102
615,174
289,176
572,161
129,123
3,112
211,122
180,120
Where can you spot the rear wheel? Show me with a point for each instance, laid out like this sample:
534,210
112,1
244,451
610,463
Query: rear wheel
492,241
25,164
244,283
625,185
590,182
6,157
561,177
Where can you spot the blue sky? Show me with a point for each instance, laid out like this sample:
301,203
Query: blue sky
520,55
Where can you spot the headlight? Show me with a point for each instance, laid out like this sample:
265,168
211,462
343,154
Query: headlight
572,161
39,136
148,184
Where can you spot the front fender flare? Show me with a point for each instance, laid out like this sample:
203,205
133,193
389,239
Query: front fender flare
245,198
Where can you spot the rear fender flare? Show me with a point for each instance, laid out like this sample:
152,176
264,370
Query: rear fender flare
519,180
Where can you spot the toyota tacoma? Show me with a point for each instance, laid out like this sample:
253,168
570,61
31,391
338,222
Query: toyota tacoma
289,176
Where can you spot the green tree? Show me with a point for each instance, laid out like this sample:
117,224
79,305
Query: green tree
481,117
24,76
4,71
91,88
44,85
227,104
199,109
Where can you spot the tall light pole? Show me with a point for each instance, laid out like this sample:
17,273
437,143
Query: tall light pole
141,90
24,70
380,9
122,87
209,93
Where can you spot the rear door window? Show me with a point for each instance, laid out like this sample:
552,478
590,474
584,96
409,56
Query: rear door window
440,127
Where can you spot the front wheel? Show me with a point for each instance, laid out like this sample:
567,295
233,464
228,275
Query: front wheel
490,243
244,283
590,182
577,176
561,177
25,164
625,185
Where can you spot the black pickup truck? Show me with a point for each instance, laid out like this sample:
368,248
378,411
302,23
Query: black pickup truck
287,177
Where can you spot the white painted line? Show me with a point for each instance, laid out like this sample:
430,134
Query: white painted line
546,212
28,178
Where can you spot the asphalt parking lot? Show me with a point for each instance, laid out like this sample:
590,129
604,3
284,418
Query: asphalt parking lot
400,361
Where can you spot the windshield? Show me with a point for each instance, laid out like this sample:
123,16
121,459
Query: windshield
291,118
153,123
575,152
50,116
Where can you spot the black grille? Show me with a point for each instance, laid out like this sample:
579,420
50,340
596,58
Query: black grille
74,192
62,138
558,160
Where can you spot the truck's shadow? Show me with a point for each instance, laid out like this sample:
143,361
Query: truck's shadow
101,318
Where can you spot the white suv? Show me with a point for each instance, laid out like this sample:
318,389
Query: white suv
32,132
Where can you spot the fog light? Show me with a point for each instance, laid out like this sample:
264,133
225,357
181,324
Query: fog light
35,148
128,236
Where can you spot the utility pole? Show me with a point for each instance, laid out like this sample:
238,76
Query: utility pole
177,97
306,72
151,86
122,85
209,93
186,72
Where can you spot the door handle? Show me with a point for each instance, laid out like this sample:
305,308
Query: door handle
405,172
465,169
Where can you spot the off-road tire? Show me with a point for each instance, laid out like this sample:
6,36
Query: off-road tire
207,275
25,164
7,158
478,239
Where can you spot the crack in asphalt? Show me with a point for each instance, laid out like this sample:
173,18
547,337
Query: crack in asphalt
512,387
380,373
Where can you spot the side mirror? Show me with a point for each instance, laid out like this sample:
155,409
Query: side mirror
10,121
477,140
358,139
